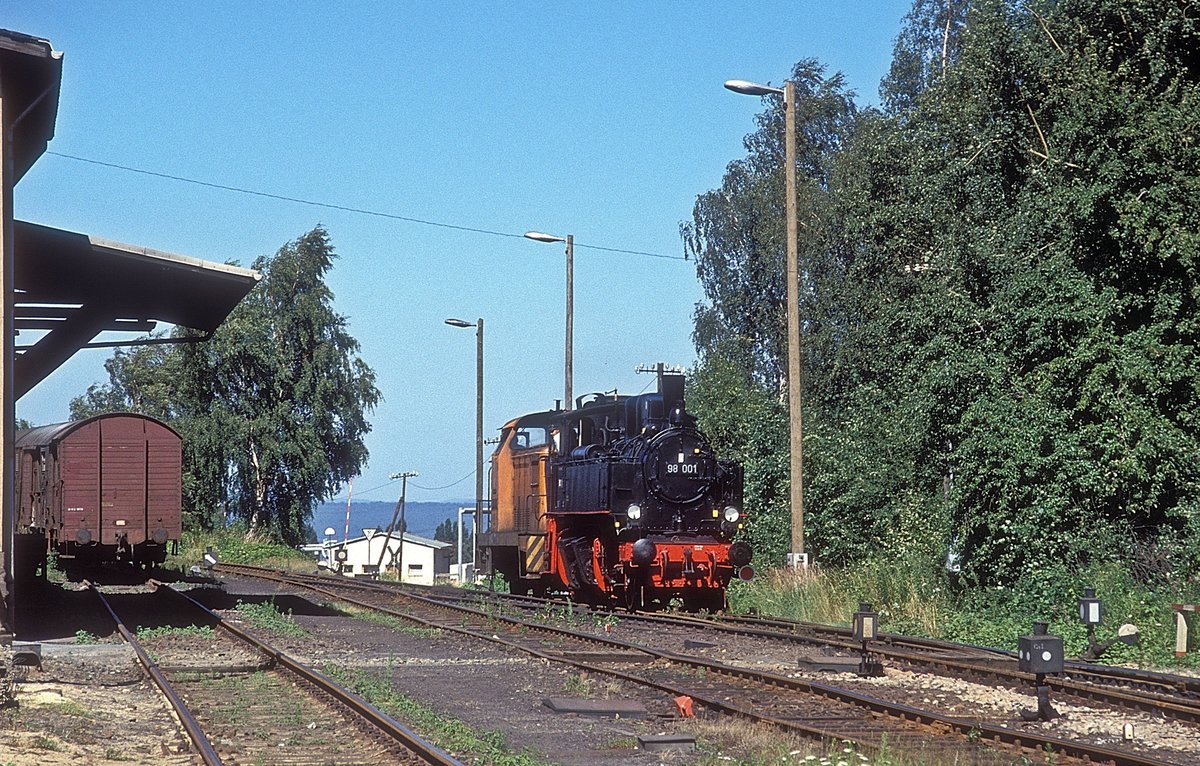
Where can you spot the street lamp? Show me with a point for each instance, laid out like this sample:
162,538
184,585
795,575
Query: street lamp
538,236
797,557
478,325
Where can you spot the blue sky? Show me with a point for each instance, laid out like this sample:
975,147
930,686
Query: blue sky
604,120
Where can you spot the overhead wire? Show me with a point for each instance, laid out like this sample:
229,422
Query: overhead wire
447,486
414,484
360,211
344,208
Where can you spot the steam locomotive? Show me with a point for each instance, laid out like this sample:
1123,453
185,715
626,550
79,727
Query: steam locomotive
620,501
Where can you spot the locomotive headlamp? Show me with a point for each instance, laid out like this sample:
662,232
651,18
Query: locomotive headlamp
634,512
732,514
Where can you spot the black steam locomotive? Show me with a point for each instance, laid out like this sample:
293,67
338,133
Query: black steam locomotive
619,501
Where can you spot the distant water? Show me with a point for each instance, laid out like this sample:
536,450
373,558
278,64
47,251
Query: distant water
422,518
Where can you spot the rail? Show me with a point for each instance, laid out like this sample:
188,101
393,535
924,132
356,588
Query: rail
966,730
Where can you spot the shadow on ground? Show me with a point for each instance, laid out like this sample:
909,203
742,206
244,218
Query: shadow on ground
47,611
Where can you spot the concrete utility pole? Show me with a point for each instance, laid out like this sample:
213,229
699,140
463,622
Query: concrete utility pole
568,367
797,557
479,470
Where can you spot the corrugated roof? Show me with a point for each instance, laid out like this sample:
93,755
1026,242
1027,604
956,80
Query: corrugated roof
40,436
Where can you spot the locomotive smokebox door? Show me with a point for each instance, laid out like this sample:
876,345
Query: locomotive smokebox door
1039,652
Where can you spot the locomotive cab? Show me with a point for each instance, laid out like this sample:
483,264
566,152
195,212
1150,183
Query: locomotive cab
515,543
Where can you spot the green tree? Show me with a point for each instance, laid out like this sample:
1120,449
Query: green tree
140,380
447,532
272,408
1029,310
999,280
737,233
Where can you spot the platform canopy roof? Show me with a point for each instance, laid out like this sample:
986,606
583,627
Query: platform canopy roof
30,75
73,287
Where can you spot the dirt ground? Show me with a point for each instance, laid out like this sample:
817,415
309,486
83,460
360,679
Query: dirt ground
91,704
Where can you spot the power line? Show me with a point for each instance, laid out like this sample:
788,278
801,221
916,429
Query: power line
343,208
414,484
448,486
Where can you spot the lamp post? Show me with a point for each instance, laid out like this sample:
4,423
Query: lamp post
538,236
478,325
797,557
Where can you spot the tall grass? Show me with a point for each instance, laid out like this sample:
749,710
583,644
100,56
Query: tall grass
907,598
917,600
234,546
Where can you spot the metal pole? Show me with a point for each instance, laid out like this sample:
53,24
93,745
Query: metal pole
569,369
478,437
458,561
798,557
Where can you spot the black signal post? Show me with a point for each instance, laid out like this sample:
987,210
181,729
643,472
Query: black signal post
1040,653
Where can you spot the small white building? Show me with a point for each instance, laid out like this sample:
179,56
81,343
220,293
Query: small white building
421,559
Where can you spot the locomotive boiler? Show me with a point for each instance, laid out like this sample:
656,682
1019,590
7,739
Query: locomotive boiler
620,501
103,489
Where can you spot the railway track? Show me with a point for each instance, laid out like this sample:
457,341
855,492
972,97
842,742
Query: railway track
812,709
241,701
1170,696
1183,689
1161,694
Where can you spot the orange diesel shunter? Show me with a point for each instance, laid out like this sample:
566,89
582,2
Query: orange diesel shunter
620,501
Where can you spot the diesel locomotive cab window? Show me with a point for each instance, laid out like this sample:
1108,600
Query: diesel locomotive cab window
524,438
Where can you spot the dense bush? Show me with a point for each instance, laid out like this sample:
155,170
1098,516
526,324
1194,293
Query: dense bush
999,283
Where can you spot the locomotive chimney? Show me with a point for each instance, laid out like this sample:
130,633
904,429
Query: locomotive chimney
670,385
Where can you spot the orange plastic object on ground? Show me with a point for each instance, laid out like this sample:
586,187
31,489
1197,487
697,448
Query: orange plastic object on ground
684,705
